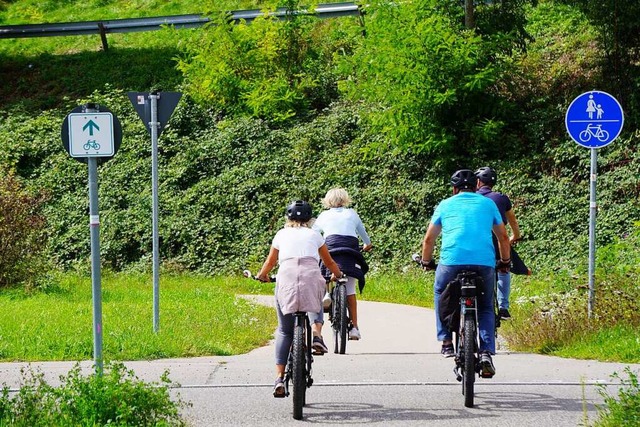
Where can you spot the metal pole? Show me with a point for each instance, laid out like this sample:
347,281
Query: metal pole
154,125
94,226
592,230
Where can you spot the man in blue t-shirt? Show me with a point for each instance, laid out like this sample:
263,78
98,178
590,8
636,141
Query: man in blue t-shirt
487,178
467,221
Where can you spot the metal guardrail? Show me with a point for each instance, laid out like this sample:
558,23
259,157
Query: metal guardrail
104,27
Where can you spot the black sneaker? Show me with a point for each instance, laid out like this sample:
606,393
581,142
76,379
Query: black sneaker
504,314
487,370
447,350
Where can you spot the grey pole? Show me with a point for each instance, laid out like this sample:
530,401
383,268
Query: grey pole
154,125
592,230
94,225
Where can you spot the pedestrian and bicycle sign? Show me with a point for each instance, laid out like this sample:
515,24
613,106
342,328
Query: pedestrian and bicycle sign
594,119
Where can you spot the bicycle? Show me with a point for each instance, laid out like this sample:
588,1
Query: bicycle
91,145
340,322
298,369
338,311
466,333
594,131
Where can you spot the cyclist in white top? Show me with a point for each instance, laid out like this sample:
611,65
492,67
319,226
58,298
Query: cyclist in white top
341,226
299,284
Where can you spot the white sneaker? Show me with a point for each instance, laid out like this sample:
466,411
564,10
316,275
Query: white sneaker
326,301
354,334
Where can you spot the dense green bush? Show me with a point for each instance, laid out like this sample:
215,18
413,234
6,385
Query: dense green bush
116,398
441,90
224,185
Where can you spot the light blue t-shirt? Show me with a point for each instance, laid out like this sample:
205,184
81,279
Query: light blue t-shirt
467,221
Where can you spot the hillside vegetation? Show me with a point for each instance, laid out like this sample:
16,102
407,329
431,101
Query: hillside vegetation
387,106
231,160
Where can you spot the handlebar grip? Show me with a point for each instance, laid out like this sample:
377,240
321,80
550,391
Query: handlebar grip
431,265
248,275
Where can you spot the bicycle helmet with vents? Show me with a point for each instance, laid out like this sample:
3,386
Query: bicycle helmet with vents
463,179
487,175
299,211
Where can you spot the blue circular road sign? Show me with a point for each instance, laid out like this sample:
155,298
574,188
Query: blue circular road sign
594,119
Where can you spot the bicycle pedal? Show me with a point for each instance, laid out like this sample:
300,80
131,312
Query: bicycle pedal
317,353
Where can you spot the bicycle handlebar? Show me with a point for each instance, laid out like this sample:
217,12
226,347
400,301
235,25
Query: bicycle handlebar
247,274
427,266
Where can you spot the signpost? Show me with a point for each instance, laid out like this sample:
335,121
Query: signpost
155,109
91,132
593,120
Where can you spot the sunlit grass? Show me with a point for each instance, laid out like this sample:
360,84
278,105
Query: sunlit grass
198,316
411,288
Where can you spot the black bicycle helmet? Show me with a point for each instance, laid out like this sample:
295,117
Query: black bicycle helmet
463,179
487,175
299,211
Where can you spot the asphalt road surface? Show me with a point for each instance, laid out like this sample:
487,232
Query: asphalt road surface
395,375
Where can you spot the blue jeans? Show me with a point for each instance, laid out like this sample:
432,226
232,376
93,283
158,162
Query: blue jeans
504,289
486,315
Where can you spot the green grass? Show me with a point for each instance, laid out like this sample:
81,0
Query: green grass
411,288
202,316
198,316
620,343
550,316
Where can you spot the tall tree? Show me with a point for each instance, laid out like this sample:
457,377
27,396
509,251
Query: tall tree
619,36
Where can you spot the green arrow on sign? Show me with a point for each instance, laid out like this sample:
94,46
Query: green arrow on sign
91,124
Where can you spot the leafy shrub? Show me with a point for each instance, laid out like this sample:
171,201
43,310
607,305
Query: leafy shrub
116,398
22,234
622,409
269,69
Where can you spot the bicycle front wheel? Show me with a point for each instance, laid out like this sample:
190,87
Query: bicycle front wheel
340,319
469,371
584,136
298,369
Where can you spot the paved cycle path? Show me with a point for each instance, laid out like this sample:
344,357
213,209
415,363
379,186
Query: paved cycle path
393,376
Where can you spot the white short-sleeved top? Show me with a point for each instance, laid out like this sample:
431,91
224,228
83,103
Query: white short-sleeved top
297,242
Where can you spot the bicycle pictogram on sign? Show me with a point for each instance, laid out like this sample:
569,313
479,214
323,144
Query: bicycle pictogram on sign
594,119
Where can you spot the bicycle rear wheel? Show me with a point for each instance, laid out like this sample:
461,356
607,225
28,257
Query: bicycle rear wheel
340,320
298,369
469,362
